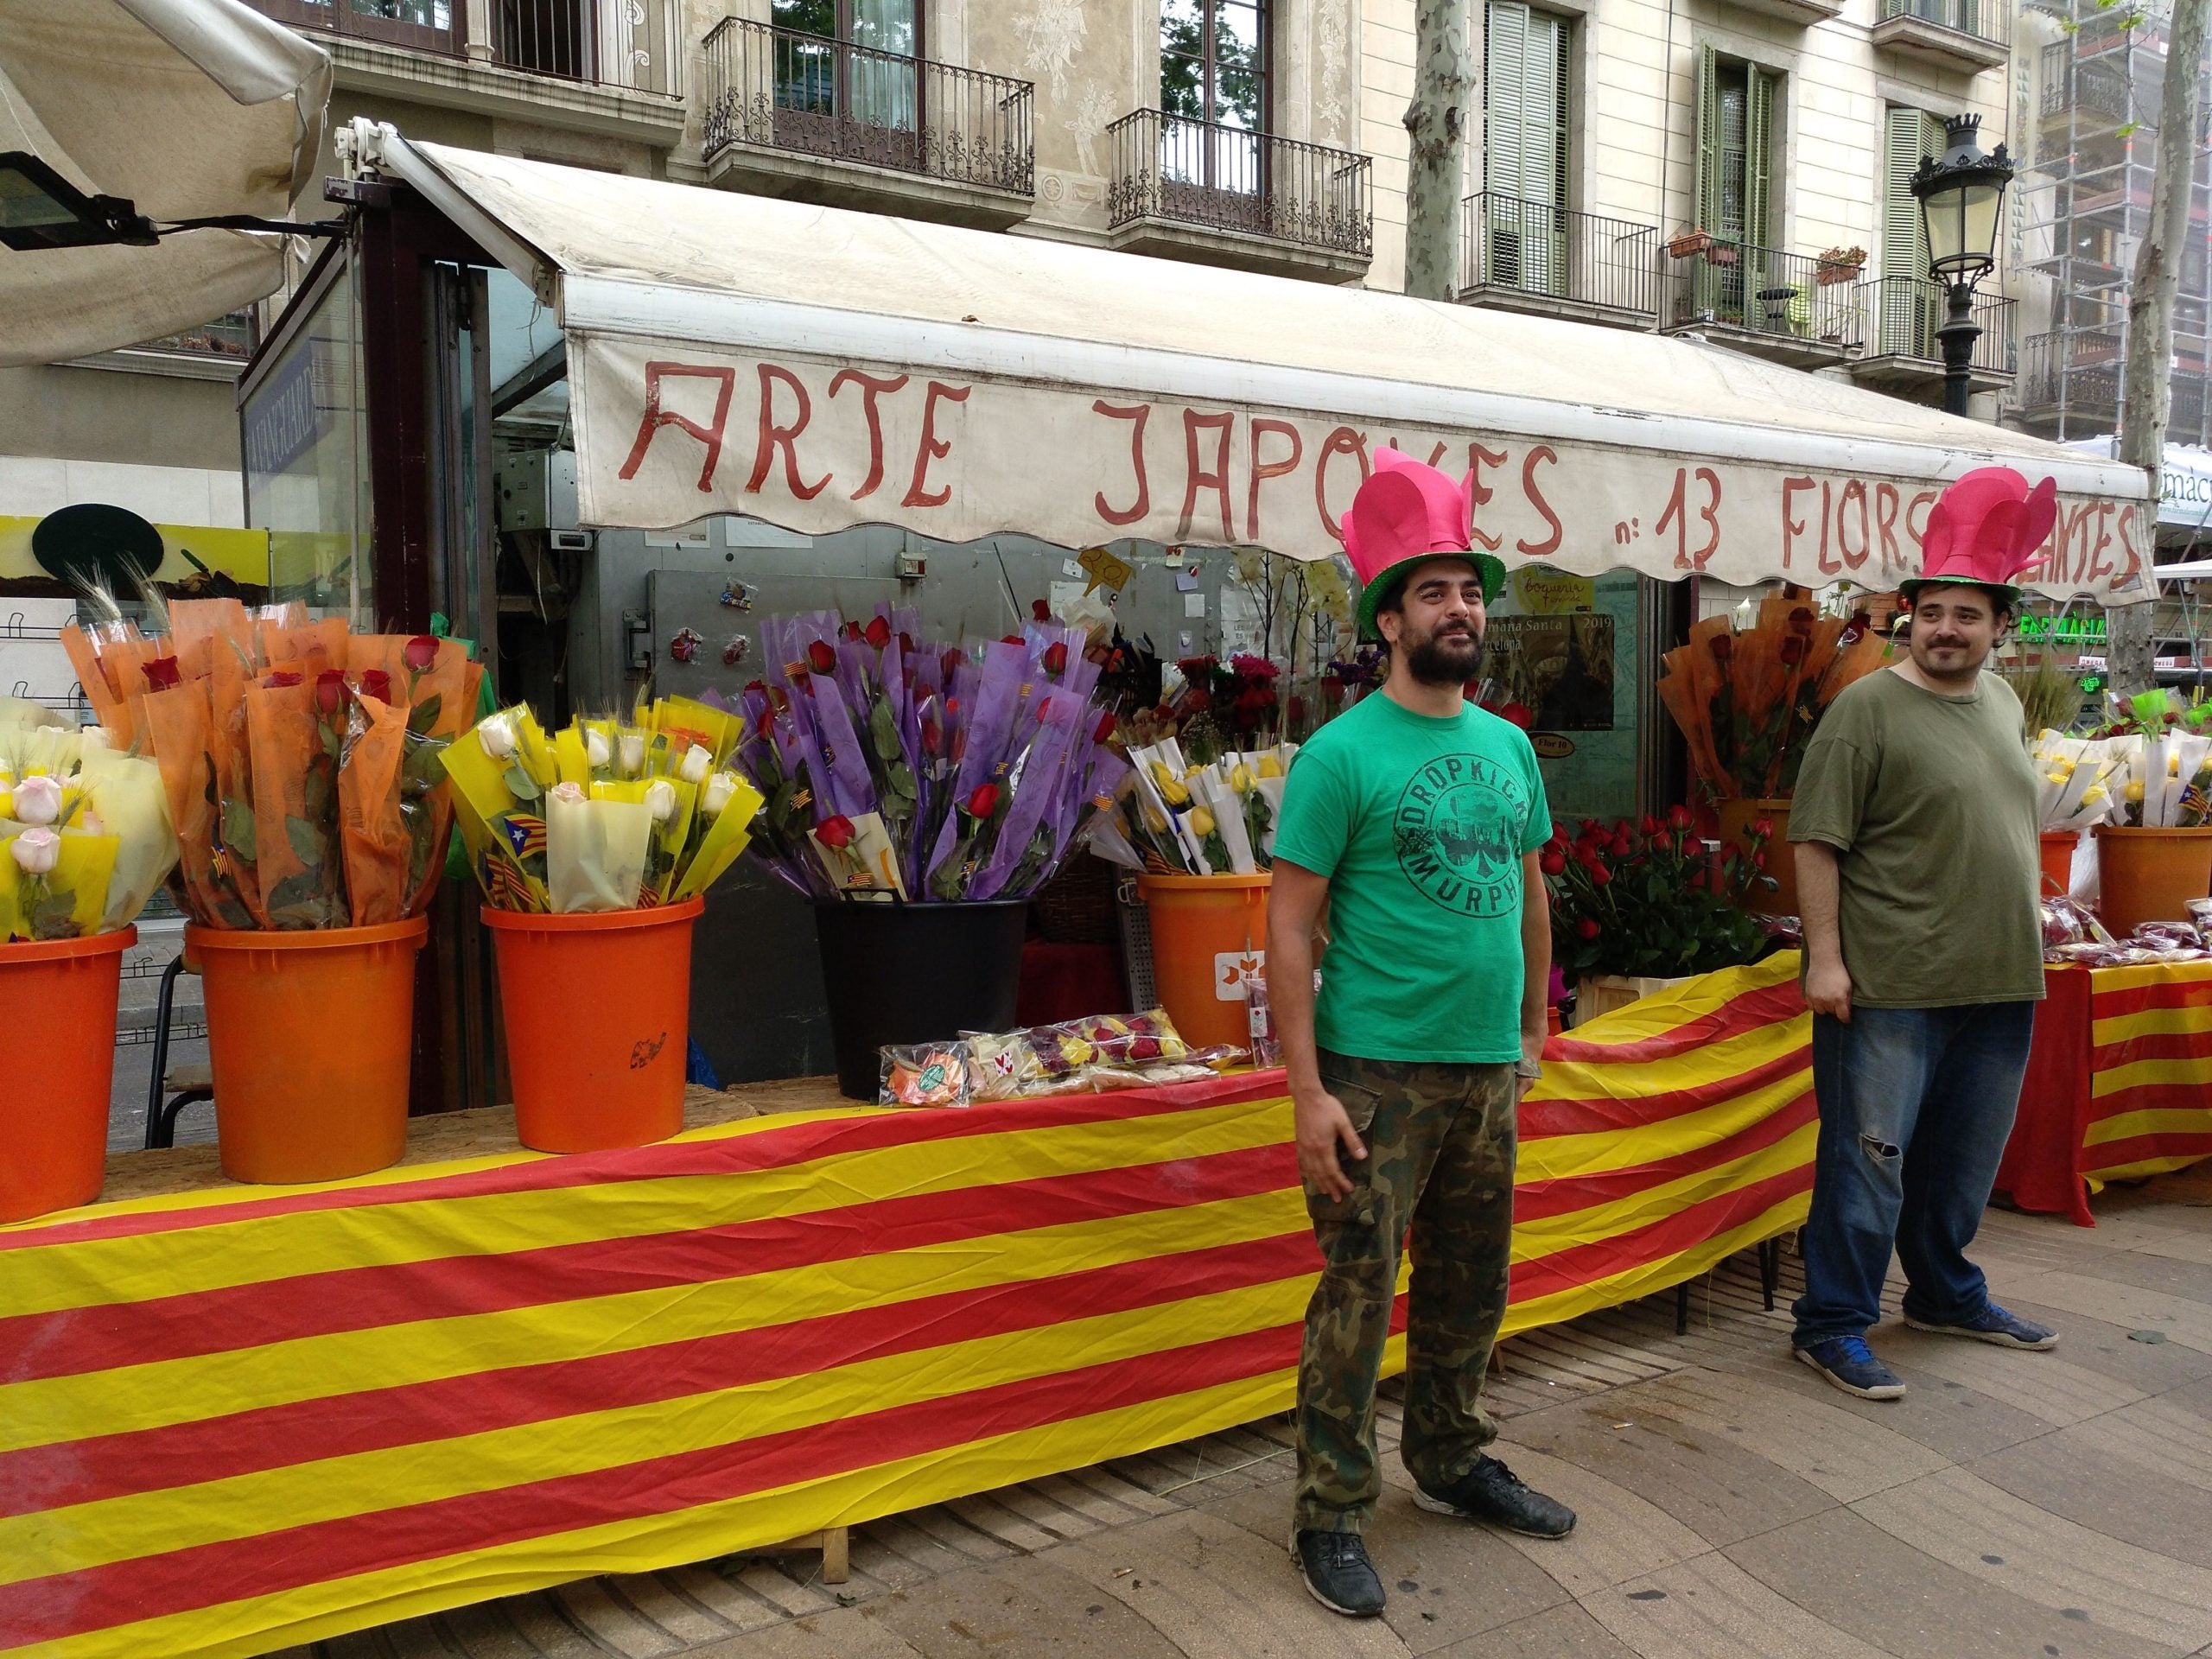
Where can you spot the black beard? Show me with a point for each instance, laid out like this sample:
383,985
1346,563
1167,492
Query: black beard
1444,660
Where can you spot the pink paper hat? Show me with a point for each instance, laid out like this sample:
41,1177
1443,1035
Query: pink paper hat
1406,512
1985,529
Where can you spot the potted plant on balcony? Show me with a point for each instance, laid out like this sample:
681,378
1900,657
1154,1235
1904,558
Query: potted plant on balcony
1835,266
1685,245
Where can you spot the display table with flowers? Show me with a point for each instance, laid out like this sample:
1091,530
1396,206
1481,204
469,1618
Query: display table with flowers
236,1418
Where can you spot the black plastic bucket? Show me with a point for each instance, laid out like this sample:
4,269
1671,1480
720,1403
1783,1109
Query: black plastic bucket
914,974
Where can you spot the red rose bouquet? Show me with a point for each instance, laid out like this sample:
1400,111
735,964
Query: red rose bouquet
1648,897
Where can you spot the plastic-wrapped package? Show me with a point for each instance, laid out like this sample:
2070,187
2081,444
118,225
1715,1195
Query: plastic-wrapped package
934,1074
1104,1051
1266,1049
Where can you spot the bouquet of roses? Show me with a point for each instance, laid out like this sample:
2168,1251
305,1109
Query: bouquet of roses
917,771
1217,819
84,835
300,761
605,814
1648,897
1747,700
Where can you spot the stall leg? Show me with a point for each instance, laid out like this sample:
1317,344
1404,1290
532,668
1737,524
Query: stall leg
1769,1271
1682,1308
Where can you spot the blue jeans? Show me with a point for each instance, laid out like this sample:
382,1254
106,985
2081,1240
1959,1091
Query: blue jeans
1915,1105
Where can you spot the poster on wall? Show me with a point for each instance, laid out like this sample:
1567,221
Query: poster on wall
1559,667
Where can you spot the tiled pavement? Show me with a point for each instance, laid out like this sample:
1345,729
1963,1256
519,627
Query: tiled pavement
1732,1507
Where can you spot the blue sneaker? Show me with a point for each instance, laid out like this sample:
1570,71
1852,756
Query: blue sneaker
1849,1364
1993,1325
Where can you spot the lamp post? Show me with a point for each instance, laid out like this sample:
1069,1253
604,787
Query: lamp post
1960,198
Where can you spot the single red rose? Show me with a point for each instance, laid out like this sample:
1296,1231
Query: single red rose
1623,843
761,686
1697,881
932,738
1163,713
1758,858
1041,611
782,700
1762,827
1648,825
1793,649
1587,928
1679,817
1553,863
375,683
984,801
1010,639
161,673
1724,647
1043,707
906,643
1592,825
951,706
835,833
283,678
330,690
1107,727
950,663
1601,876
1199,701
1144,1048
419,652
1517,713
1558,837
1056,657
879,633
853,632
822,657
1800,620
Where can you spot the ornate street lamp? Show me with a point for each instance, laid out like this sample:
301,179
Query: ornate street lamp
1960,201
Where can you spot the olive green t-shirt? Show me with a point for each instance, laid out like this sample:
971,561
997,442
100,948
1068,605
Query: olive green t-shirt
1930,800
1420,823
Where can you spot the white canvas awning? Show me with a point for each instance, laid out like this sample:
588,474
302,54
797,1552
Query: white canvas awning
189,109
819,368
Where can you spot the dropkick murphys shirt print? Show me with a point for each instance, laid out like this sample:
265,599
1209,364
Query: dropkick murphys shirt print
1421,825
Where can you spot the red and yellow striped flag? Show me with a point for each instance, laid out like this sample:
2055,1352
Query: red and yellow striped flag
2149,1071
250,1417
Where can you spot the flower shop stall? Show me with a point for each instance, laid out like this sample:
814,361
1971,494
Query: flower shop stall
235,1418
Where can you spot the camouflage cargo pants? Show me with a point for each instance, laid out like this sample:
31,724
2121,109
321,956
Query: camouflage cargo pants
1440,1145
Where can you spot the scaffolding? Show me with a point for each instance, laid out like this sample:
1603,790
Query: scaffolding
2086,196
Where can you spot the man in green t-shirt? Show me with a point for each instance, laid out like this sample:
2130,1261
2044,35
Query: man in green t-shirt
1917,875
1414,820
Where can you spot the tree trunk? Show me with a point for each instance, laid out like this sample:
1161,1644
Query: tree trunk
1437,122
2146,394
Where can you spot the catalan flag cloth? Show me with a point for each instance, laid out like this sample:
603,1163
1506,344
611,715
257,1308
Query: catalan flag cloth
237,1419
2119,1084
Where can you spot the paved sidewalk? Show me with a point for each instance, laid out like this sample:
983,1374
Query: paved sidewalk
1732,1507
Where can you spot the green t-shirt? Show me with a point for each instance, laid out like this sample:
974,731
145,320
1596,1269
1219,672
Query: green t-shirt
1420,824
1931,802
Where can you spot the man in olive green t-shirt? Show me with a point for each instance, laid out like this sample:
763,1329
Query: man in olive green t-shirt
1917,875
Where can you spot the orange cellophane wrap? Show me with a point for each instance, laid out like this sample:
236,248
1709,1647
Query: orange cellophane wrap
1694,677
232,755
453,679
202,630
104,689
305,649
176,727
300,881
373,834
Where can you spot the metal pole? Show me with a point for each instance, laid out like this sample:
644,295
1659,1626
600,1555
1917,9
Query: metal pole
1958,332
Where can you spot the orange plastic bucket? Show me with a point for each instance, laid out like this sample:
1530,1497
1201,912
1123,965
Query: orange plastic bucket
61,996
2148,875
1203,928
309,1034
2058,847
598,1010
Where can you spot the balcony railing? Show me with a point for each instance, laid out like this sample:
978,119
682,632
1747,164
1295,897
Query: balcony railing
233,335
1785,296
1903,312
1535,248
783,89
626,43
1223,177
1984,20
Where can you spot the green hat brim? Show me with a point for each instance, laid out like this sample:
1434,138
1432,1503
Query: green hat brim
2008,597
1491,570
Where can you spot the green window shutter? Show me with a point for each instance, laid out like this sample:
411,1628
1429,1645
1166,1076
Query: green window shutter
1524,144
1505,44
1758,147
1708,140
1903,240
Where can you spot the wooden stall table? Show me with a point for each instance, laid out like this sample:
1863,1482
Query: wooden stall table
237,1418
2119,1084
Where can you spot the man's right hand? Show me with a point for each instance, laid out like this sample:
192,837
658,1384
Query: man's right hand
1828,988
1323,1125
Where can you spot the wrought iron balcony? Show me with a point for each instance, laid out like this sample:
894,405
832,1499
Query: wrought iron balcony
1170,171
801,95
1903,312
1970,35
1790,307
630,44
1531,256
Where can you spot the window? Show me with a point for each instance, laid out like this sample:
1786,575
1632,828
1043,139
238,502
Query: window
1736,143
1214,62
849,65
1524,148
1911,307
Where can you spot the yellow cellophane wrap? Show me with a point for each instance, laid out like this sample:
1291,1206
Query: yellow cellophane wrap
595,849
726,837
125,790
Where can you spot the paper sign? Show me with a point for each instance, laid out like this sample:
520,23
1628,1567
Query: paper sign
1194,604
867,863
1553,593
1069,567
1186,582
1105,570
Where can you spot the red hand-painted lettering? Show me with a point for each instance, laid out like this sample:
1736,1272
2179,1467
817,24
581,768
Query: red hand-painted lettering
656,417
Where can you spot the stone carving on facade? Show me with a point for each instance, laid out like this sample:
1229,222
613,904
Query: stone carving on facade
1052,33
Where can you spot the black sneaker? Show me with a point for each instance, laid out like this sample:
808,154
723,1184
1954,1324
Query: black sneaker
1337,1572
1490,1491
